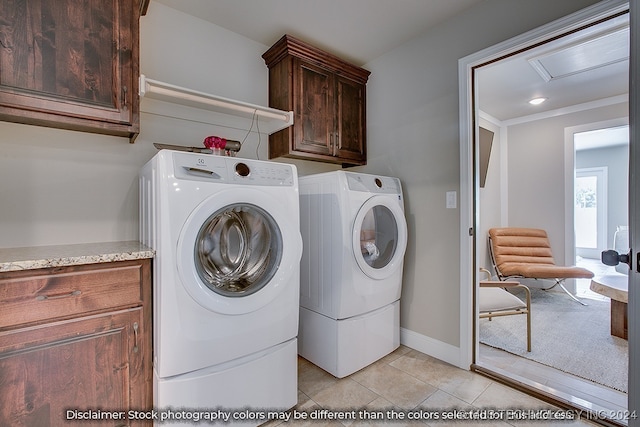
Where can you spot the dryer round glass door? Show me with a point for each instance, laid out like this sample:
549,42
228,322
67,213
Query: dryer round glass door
237,250
379,237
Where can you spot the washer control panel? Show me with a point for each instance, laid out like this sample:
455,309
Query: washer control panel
232,170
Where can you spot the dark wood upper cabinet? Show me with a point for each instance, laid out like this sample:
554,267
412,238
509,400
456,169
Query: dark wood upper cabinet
328,98
71,64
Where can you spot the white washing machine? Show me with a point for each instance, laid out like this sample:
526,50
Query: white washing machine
226,281
355,236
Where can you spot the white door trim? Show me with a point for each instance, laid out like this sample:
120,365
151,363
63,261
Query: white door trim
468,163
634,216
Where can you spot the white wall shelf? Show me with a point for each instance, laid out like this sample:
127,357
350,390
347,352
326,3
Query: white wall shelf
223,111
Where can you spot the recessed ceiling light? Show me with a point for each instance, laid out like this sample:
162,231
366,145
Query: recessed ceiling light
537,101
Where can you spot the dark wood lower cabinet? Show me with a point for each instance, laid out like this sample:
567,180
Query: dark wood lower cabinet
92,369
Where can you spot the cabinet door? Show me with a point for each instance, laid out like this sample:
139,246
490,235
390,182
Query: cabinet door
314,108
48,373
70,64
351,127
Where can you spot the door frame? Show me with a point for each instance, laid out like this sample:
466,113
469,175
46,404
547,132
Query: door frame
634,214
469,120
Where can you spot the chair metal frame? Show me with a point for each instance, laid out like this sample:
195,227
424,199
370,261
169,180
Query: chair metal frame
509,311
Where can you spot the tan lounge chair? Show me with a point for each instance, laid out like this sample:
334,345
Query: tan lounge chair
526,253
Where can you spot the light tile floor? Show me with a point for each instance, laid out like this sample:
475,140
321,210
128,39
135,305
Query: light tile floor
409,383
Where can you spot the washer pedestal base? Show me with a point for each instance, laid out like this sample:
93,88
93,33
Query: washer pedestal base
342,347
245,390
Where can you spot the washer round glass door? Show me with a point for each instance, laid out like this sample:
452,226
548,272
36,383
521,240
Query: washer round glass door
379,237
237,250
235,256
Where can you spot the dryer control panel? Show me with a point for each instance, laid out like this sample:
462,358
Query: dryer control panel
232,170
373,183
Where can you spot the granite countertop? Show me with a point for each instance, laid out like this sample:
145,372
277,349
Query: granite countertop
31,258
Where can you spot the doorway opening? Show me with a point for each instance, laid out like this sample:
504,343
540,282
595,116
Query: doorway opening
600,170
528,190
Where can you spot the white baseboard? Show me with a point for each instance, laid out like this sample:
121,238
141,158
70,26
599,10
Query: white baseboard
432,347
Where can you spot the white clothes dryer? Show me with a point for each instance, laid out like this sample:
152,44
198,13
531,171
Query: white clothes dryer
226,281
355,236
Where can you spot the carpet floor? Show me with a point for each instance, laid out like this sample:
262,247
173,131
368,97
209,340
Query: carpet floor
566,336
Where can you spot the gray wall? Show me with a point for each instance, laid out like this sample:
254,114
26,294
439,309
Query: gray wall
536,172
413,133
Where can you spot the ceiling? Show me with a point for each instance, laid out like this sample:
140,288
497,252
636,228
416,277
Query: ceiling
585,66
361,30
356,30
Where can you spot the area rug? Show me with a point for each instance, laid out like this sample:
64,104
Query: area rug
566,336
